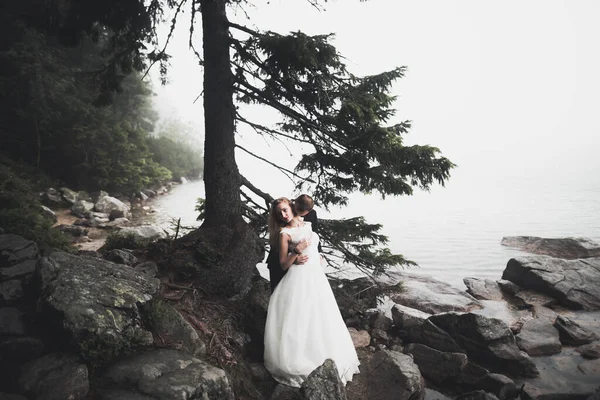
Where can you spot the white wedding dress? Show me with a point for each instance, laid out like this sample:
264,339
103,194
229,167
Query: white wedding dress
304,325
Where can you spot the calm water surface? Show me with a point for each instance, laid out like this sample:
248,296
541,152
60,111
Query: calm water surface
451,232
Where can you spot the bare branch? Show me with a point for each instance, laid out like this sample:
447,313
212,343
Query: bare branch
244,29
266,196
287,171
171,30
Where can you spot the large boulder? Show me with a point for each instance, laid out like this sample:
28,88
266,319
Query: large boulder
108,204
574,283
167,374
387,374
483,289
55,376
429,295
94,302
538,337
567,248
324,383
487,341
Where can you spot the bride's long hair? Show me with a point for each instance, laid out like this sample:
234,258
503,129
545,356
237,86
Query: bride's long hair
275,222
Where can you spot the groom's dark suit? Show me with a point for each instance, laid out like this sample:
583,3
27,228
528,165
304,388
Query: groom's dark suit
275,271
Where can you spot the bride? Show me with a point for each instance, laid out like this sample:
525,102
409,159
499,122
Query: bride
304,325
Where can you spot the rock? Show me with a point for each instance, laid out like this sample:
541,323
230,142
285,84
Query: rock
258,304
283,392
147,233
170,374
380,321
107,204
114,214
483,289
8,396
69,195
436,366
55,376
430,295
431,394
500,385
573,334
324,383
168,323
22,270
15,352
148,268
121,394
73,230
574,283
591,350
12,322
359,338
52,198
15,250
476,395
387,375
82,208
508,286
567,248
591,368
94,301
538,337
120,256
530,298
545,313
380,336
11,292
149,192
409,321
487,341
48,214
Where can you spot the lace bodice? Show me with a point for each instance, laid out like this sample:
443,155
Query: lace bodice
302,232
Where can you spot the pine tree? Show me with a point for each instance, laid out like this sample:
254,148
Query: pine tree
343,118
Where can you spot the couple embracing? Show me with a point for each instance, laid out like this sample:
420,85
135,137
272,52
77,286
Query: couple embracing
304,325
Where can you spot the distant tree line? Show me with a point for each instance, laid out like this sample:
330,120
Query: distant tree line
59,117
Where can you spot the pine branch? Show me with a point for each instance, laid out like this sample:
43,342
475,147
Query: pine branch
285,170
266,196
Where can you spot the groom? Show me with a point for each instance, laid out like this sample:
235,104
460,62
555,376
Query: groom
303,206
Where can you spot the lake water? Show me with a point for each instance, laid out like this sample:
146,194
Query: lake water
453,232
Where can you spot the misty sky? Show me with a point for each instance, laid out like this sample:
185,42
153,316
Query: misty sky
506,89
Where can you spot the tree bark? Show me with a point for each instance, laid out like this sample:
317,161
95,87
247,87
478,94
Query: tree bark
221,176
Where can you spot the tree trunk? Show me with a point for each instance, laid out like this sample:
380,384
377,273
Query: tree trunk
221,176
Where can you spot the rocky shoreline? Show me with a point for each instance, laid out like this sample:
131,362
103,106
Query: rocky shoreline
117,324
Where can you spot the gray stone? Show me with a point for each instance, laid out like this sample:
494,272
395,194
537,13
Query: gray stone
170,374
500,385
14,250
380,321
121,256
324,383
487,341
591,350
538,338
11,292
94,300
476,395
574,283
12,322
82,208
531,298
146,232
283,392
149,268
567,248
107,204
122,394
437,366
508,286
22,270
429,295
69,195
171,324
387,375
9,396
55,376
483,289
573,334
409,321
48,213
